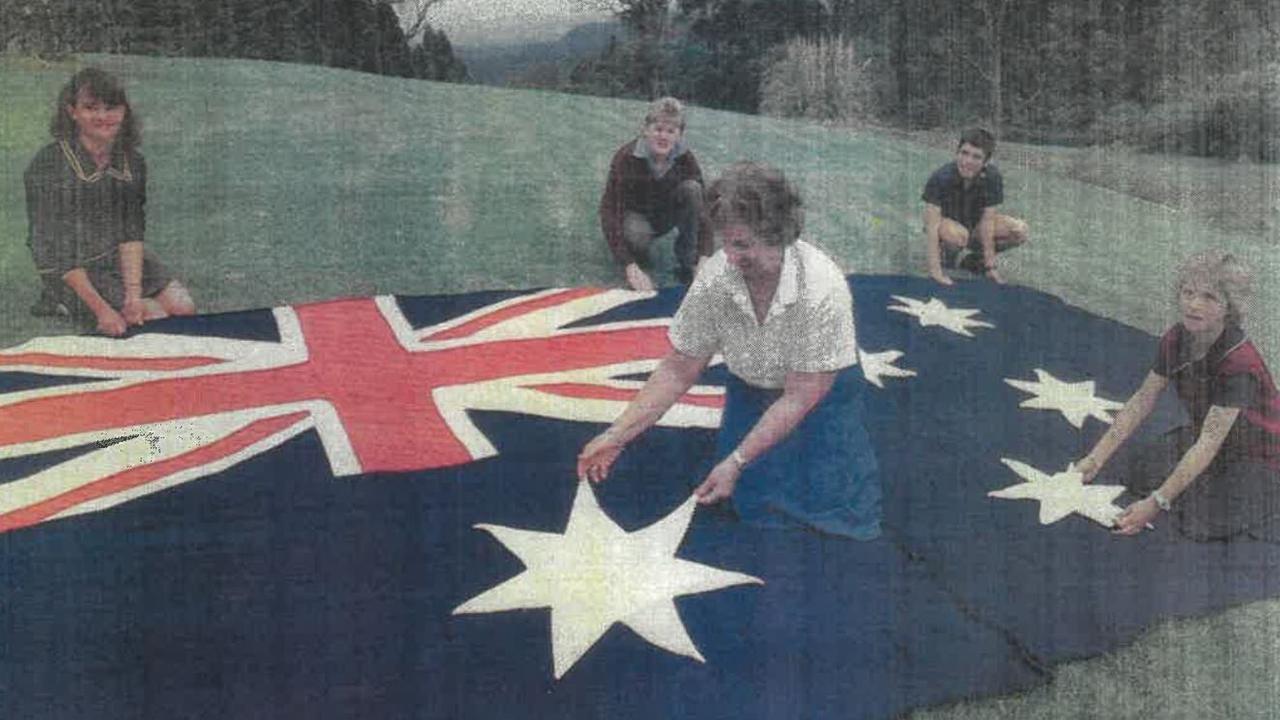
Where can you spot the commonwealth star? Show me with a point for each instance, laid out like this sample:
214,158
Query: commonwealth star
596,574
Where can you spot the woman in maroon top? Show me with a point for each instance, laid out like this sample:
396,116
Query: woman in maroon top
1220,476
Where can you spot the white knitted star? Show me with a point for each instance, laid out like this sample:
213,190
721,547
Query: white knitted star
1062,494
596,574
879,365
935,312
1076,401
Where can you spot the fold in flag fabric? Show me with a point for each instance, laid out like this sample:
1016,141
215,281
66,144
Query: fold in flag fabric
368,508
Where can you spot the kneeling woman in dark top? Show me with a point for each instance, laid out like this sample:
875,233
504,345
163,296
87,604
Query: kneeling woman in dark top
793,450
86,194
1220,476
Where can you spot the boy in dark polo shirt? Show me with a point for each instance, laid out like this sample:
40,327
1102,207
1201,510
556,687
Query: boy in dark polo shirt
86,194
655,184
960,218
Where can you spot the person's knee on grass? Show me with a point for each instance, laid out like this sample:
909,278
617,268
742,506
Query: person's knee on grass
638,235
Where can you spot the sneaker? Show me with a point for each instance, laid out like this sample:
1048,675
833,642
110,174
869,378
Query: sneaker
971,261
951,257
48,306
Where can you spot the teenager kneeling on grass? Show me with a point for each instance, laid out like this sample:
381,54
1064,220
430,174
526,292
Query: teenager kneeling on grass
961,225
86,218
1220,476
655,184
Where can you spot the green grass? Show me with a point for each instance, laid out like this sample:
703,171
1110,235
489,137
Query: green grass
274,183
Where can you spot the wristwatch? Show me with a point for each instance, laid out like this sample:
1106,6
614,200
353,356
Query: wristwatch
1162,502
737,458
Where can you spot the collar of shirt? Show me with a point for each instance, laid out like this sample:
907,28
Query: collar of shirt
81,161
958,180
786,294
641,151
1232,337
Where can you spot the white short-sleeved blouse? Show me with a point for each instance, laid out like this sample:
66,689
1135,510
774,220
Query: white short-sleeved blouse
809,327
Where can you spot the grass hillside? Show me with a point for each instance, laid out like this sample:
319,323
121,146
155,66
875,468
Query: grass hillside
275,183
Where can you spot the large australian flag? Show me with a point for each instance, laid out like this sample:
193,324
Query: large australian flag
367,508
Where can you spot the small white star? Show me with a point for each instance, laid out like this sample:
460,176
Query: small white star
597,574
935,312
881,365
1076,401
1062,494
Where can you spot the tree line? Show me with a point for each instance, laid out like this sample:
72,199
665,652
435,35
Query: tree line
365,35
1193,76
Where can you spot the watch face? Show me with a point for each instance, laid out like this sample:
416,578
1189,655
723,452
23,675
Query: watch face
1161,501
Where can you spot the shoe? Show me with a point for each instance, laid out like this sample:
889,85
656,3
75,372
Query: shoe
971,261
950,256
48,306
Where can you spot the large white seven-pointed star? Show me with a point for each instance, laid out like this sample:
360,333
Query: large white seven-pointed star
1062,494
1076,401
879,365
935,312
597,574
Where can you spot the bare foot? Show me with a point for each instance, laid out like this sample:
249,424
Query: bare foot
994,276
941,278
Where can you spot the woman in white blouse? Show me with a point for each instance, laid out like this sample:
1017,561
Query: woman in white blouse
793,450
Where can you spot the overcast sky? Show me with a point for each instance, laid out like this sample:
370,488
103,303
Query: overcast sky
470,21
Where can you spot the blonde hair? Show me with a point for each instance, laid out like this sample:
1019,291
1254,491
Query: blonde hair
666,109
1223,272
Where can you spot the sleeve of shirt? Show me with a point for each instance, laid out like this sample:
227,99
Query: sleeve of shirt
49,212
995,187
934,193
1240,390
694,331
611,209
135,201
827,340
1237,384
1166,353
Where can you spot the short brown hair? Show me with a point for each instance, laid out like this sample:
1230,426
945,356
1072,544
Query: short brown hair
758,196
979,138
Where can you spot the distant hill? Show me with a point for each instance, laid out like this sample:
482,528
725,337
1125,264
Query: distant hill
499,63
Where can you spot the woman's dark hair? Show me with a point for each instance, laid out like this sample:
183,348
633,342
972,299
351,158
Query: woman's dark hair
107,89
759,197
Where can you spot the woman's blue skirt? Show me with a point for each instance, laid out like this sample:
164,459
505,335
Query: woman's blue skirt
822,476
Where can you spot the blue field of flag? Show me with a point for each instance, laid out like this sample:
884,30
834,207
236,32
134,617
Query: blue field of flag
368,508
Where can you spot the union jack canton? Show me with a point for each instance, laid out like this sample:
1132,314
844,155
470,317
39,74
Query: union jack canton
160,409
